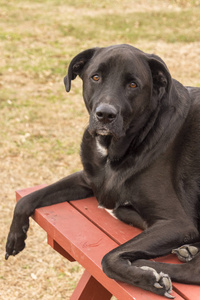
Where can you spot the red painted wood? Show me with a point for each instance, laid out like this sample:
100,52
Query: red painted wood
188,292
122,233
86,243
89,288
58,248
117,230
114,228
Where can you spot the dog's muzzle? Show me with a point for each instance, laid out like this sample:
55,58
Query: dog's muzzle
106,113
106,120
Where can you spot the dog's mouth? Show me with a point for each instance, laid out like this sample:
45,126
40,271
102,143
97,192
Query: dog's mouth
114,132
103,131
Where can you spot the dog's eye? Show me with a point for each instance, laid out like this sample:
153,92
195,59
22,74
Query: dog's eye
96,77
133,85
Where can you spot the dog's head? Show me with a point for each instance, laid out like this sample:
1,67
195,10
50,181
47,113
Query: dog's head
122,86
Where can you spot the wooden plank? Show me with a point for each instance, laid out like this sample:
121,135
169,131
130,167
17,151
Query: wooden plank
122,233
188,292
89,288
117,230
87,244
58,248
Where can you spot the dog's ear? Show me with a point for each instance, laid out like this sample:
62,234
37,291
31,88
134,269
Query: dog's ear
160,75
76,66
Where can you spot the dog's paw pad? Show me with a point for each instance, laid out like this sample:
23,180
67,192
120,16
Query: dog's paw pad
186,253
162,283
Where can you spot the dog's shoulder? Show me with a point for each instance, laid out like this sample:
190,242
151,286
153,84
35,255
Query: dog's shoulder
189,135
194,92
194,112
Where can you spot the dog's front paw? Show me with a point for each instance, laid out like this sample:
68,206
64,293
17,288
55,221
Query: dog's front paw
16,237
162,284
186,253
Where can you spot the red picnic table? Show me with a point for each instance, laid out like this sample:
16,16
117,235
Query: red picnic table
82,232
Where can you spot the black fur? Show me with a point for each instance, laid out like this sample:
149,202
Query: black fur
141,158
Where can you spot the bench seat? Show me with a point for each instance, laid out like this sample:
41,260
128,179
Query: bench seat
82,232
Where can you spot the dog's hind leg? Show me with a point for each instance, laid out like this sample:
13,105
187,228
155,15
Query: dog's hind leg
129,262
187,252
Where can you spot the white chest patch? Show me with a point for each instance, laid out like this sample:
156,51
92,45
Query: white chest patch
110,211
101,149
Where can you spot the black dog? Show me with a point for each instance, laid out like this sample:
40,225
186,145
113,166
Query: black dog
141,158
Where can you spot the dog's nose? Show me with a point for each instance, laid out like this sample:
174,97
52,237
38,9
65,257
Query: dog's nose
106,113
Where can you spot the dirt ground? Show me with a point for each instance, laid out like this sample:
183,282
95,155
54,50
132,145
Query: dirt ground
41,125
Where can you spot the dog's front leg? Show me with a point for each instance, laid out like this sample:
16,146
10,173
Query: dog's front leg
128,262
72,187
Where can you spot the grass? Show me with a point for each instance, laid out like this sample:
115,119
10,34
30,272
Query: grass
41,126
169,27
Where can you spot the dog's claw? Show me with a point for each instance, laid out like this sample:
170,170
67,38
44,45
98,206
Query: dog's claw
25,228
7,256
166,294
158,286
